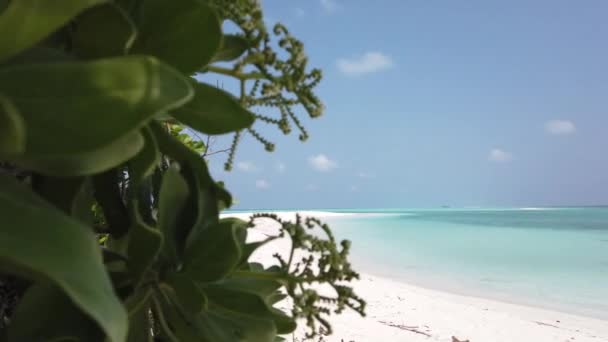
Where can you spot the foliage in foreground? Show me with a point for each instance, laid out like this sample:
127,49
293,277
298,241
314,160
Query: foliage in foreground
110,218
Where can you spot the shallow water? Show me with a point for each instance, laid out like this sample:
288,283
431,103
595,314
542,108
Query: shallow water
555,258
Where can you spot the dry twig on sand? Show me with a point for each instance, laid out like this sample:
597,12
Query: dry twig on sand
413,329
454,339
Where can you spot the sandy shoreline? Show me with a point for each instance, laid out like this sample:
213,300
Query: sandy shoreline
402,312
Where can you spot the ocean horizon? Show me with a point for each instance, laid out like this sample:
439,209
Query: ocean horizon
548,257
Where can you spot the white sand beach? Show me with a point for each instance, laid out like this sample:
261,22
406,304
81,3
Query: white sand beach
398,311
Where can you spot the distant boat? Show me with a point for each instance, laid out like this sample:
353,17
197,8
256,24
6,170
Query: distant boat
445,206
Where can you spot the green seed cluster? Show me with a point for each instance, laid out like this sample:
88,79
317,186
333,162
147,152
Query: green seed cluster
278,67
323,261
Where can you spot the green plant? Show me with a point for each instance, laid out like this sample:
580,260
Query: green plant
110,218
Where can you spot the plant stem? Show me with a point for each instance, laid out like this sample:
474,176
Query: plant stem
261,275
162,321
235,74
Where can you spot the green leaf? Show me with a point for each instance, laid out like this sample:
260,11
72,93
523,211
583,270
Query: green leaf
82,204
62,192
275,298
128,5
110,256
225,325
254,278
38,242
140,326
44,313
173,195
138,306
249,248
29,21
145,244
219,324
103,31
263,287
189,295
84,163
12,128
172,322
233,46
144,163
248,303
40,54
201,210
120,279
213,111
267,289
183,33
118,95
224,197
215,252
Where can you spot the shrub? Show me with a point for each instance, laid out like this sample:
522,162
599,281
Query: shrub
110,218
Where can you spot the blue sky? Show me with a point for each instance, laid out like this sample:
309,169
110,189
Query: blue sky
462,103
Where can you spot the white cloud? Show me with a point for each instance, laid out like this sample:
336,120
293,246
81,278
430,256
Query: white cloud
560,127
262,184
246,166
281,167
499,156
367,63
329,6
322,163
365,175
299,12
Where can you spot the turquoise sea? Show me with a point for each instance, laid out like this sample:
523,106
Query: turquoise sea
555,258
